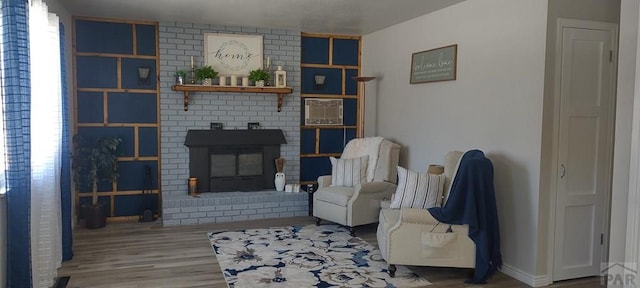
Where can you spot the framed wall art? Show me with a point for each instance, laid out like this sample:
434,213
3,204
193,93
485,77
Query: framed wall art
434,65
231,54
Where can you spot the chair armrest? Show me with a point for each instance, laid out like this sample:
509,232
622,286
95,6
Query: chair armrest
364,204
375,187
324,181
418,216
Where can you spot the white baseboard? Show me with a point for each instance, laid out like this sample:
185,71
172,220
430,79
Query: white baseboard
526,278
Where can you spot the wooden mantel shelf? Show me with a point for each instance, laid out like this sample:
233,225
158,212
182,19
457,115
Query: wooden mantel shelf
237,89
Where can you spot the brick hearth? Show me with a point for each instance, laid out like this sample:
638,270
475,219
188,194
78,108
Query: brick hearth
233,206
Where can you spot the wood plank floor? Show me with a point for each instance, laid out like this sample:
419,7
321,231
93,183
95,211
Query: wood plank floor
132,255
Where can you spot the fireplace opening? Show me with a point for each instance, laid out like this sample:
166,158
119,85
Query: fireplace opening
238,168
233,160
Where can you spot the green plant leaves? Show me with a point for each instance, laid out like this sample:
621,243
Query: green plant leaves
258,74
94,160
206,72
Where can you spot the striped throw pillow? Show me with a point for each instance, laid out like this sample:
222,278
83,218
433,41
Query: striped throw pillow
417,190
348,172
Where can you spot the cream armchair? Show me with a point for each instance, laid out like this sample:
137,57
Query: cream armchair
359,205
405,236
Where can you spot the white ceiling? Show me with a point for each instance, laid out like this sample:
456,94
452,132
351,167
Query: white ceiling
350,17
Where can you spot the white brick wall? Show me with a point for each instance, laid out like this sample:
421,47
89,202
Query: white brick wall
180,41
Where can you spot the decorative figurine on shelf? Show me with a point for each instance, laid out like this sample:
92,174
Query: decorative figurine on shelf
192,72
279,180
180,76
281,78
267,68
259,76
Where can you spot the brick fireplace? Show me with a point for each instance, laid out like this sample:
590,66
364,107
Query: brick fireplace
177,43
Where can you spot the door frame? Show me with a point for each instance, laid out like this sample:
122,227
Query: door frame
562,23
632,242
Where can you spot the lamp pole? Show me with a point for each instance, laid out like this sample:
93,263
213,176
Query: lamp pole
361,102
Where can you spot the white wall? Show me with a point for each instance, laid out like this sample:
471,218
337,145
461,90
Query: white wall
494,105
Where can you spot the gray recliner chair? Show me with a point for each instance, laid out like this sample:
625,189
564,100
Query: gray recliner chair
360,204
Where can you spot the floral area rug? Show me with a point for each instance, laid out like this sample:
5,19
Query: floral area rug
307,256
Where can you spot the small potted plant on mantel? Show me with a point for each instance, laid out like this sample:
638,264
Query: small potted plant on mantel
181,75
206,74
93,161
258,76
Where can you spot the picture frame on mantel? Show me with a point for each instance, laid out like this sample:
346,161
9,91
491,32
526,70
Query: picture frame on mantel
435,65
233,54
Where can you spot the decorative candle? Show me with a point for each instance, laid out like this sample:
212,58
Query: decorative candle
245,81
268,62
234,80
191,61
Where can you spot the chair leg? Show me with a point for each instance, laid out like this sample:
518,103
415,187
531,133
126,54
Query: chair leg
392,270
318,221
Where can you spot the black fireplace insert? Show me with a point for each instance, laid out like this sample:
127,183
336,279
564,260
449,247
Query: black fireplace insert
233,160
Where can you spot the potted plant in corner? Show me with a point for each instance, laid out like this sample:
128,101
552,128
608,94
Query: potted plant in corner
94,161
206,74
258,76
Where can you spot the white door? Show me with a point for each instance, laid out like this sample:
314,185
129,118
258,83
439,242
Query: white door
585,128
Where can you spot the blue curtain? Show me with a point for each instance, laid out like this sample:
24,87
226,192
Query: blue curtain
65,174
15,31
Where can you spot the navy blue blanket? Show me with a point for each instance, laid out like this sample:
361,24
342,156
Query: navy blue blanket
472,201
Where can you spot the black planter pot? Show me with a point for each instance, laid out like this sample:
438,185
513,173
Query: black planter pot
95,216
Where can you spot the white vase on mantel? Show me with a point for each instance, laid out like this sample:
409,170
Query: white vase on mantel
279,181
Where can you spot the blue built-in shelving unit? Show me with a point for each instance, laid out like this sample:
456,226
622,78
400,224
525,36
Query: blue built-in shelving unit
336,57
111,100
